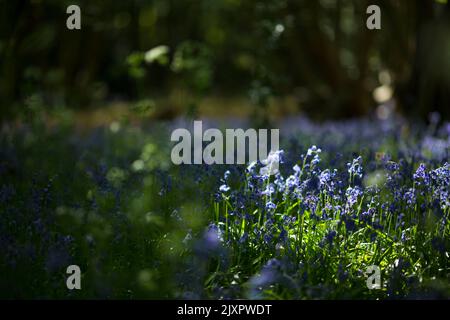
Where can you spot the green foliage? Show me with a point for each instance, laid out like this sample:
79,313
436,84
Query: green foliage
194,61
319,51
157,54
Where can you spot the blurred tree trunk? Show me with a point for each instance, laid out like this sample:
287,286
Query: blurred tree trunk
12,38
429,87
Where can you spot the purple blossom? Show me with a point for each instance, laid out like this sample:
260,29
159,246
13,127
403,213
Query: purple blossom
270,205
352,195
421,176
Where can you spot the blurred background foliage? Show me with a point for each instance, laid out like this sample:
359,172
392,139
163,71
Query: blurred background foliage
314,57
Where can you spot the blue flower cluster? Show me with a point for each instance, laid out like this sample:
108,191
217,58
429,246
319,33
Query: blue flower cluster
339,213
346,196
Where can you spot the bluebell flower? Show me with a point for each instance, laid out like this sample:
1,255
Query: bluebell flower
269,190
313,151
251,167
224,188
270,205
342,274
283,234
292,182
350,224
403,238
400,222
267,238
352,195
441,175
355,167
315,160
271,164
325,177
328,238
421,176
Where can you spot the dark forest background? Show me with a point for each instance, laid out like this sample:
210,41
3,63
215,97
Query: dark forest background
318,55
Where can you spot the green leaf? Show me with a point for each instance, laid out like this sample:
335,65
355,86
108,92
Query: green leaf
157,54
